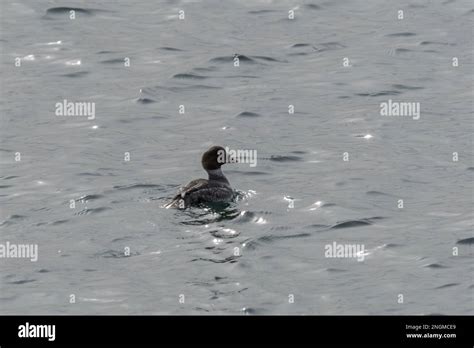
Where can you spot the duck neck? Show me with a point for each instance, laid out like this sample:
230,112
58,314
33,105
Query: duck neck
217,175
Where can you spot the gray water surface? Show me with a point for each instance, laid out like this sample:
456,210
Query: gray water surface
280,249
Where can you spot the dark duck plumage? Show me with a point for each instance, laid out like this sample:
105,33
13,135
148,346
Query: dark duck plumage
213,190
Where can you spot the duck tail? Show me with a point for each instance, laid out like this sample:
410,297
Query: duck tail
176,202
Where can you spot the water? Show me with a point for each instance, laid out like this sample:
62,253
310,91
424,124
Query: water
191,255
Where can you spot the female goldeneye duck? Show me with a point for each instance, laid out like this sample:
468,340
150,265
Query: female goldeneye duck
216,189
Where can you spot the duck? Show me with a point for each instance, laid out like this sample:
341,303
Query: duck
215,189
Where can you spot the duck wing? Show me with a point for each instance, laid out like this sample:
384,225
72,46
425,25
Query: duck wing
192,186
186,190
